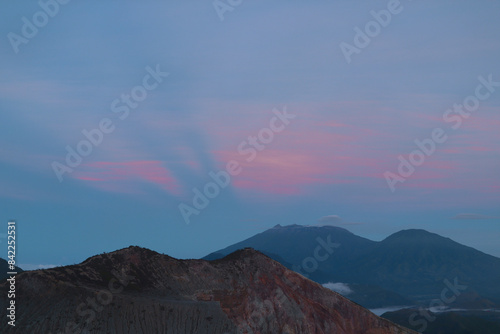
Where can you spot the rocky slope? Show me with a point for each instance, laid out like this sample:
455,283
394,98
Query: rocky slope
135,290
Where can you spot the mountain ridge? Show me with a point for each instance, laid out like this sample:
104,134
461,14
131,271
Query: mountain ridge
245,292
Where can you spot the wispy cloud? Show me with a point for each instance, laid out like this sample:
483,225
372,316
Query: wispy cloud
112,176
335,220
330,220
473,216
341,288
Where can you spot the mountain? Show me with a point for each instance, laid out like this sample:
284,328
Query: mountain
416,263
136,290
410,265
296,243
4,268
447,322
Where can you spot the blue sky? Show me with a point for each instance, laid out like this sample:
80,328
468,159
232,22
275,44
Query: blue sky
227,79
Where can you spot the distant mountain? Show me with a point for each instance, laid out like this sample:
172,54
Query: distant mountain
4,268
373,296
136,290
296,243
411,264
415,263
447,322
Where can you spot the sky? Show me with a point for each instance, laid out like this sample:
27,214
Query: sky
187,126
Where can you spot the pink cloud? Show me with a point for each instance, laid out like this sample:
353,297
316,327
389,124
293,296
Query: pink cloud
292,171
276,171
342,142
120,176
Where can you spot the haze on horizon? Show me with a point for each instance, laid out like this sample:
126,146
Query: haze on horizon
211,86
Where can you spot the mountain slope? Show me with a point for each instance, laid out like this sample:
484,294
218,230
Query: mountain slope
135,290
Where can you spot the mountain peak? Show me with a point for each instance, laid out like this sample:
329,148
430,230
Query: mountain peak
416,235
245,254
134,254
418,231
297,226
135,250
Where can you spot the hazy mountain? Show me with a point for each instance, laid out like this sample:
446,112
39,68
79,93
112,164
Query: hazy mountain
372,296
295,243
415,263
447,322
136,290
411,264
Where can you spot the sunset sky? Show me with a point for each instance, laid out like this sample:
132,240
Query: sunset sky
227,80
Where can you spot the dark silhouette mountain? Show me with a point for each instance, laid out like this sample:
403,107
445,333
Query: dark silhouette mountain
4,268
136,290
295,243
411,264
447,322
373,296
415,263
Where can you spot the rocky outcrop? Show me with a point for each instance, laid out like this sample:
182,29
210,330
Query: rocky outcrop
135,290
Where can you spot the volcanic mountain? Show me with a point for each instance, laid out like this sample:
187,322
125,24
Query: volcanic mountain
136,290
